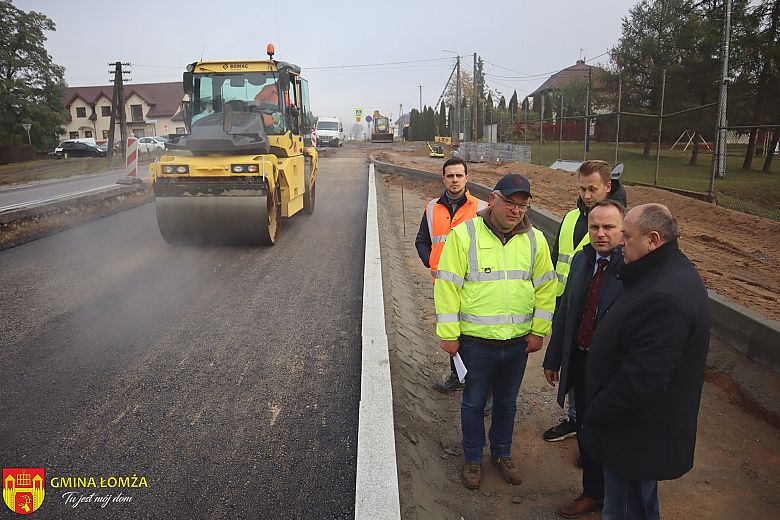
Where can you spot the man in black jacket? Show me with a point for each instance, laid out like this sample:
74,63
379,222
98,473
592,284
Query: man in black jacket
645,373
596,182
591,287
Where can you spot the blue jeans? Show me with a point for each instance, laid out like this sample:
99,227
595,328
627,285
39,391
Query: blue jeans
496,368
629,499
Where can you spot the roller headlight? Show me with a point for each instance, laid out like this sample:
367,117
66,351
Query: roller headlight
173,168
244,168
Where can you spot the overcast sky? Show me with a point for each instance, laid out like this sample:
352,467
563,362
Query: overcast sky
515,38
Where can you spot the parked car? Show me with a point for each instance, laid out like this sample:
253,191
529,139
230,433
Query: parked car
58,151
74,149
151,144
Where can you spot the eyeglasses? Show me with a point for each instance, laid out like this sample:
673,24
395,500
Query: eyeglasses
514,205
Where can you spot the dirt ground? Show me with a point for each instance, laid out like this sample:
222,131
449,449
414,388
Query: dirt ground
737,468
738,255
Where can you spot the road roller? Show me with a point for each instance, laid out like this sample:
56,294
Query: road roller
241,166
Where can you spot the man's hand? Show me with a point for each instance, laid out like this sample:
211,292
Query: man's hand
551,376
534,343
451,346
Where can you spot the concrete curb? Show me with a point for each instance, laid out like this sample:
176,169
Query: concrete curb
376,485
749,332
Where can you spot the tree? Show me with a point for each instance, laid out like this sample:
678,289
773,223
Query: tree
769,77
414,125
502,103
442,123
513,103
682,39
31,84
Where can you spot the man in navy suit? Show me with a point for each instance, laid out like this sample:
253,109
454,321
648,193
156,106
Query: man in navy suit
590,289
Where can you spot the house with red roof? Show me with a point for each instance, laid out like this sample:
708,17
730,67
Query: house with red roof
151,109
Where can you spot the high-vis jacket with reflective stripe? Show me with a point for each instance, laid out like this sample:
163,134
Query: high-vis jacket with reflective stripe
490,290
439,224
567,248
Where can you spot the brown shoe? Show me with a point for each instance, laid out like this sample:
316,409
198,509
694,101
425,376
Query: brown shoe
472,475
508,470
580,507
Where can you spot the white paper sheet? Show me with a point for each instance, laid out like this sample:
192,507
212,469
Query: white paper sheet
460,368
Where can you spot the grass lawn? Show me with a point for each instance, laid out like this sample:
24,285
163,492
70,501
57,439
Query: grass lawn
752,192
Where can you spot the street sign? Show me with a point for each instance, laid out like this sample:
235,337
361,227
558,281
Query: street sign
358,113
369,119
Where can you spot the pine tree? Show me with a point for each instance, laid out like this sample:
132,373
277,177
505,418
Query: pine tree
513,103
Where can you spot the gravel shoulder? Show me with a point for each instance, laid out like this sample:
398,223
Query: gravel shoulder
738,452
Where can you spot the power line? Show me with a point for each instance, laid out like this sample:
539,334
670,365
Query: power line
524,75
374,64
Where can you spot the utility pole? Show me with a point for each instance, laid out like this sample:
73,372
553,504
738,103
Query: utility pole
587,117
117,111
420,97
475,104
458,114
719,164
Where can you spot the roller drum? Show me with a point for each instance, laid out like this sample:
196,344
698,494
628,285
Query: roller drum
215,219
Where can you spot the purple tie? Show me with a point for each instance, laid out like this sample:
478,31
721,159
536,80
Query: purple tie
588,319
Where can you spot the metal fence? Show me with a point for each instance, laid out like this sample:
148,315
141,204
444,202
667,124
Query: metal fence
672,150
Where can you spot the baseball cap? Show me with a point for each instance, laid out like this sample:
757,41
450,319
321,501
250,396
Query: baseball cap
512,183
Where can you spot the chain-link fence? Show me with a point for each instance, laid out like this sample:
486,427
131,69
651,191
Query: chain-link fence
672,149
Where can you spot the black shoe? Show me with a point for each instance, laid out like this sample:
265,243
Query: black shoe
489,405
567,428
449,385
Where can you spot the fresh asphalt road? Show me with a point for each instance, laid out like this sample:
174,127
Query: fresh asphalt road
228,377
47,189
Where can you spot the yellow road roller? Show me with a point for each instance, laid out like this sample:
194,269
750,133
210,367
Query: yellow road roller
242,164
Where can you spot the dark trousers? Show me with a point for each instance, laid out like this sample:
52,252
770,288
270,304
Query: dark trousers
630,499
592,472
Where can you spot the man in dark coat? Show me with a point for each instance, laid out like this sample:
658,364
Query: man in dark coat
645,373
591,287
596,182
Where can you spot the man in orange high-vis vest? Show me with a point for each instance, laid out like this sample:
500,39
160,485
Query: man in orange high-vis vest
456,205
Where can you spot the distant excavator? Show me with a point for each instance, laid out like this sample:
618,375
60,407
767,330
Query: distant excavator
437,150
381,132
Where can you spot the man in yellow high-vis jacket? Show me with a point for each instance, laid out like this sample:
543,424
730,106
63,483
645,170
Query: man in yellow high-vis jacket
595,183
495,298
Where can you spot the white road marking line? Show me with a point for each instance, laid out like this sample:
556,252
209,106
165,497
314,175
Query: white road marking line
275,409
197,416
241,378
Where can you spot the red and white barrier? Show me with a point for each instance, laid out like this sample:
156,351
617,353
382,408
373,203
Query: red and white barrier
131,167
131,163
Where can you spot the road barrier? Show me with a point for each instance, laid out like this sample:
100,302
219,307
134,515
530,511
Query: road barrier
131,163
750,333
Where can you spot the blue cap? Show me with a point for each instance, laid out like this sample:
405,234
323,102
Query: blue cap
512,183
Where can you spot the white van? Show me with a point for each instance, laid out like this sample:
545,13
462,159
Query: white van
330,131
